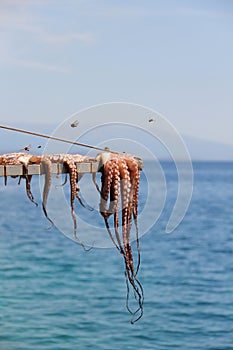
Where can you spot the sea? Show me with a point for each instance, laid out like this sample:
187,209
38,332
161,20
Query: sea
54,295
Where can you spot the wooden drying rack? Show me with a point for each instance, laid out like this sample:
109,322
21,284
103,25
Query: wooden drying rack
88,167
36,169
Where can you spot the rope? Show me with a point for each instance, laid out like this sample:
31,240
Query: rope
57,139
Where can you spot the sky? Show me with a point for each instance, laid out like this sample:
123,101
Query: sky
176,57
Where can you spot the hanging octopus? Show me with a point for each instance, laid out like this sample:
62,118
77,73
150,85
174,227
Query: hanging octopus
19,159
120,180
118,195
69,161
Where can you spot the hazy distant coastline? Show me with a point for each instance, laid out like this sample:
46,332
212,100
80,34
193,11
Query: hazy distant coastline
199,149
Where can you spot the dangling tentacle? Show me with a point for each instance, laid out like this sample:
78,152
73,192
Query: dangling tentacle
127,192
110,233
138,294
114,204
116,228
125,195
25,159
95,182
106,167
102,159
28,179
114,188
106,179
63,184
46,165
113,181
5,176
69,162
120,176
135,180
86,206
65,181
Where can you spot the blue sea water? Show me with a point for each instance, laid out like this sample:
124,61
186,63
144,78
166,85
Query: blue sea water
55,296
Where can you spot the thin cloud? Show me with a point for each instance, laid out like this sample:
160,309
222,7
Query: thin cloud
123,12
15,22
37,33
199,12
9,18
29,23
39,65
86,38
25,2
131,12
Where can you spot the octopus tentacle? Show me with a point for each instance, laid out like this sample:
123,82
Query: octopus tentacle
107,174
126,226
19,158
116,228
120,178
28,179
135,180
114,203
111,185
47,170
110,234
102,159
81,201
63,183
5,176
138,294
46,162
70,163
106,168
131,201
114,188
125,191
95,182
25,160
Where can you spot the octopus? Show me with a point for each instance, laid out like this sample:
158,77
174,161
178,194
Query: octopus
119,192
19,159
69,161
46,161
120,183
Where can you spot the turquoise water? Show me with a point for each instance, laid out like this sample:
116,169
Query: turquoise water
53,295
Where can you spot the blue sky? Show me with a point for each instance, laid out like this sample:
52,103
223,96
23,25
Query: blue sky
57,57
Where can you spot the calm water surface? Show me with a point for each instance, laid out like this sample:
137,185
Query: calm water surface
53,295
